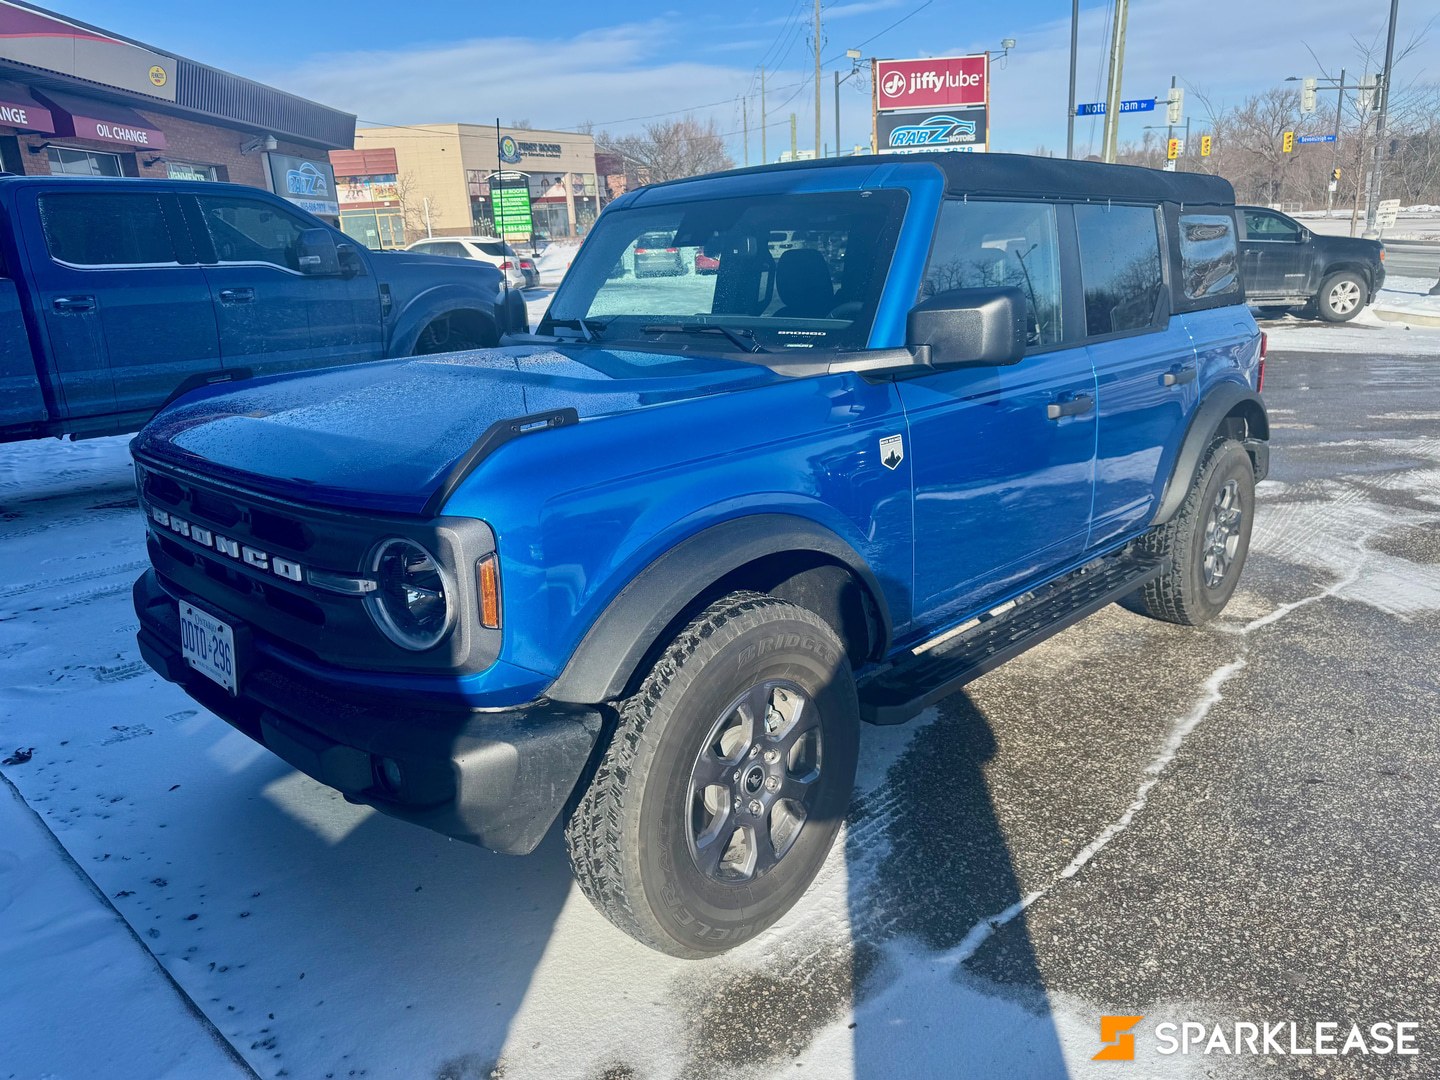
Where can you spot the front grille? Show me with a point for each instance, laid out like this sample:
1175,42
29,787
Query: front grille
249,556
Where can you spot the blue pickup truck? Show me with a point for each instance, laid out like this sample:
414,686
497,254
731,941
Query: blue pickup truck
117,295
647,570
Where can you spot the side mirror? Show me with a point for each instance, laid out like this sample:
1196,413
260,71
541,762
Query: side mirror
316,254
968,328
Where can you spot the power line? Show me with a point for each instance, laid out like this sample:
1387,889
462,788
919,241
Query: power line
797,87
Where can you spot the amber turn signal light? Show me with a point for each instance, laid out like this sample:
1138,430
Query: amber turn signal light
487,577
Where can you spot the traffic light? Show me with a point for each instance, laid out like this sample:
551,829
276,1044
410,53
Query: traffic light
1307,96
1172,150
1205,143
1288,143
1335,175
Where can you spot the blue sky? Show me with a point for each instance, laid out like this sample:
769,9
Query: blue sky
564,62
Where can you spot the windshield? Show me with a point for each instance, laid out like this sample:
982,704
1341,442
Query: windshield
796,271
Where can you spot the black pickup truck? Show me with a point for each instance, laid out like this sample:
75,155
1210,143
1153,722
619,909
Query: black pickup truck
117,295
1284,266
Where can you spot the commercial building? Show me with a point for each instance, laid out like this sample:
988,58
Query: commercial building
462,179
78,100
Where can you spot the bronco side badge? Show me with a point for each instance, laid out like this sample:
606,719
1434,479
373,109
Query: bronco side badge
892,451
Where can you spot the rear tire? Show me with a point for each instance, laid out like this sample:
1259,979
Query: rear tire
726,781
1341,296
1206,541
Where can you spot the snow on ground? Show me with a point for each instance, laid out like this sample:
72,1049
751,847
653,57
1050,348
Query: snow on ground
1369,332
79,994
1407,297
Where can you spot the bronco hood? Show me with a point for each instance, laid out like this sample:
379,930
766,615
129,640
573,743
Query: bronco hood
384,436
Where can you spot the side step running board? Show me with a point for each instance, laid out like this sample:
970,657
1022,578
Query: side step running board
923,676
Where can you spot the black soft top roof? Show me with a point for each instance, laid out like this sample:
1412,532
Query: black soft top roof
1040,177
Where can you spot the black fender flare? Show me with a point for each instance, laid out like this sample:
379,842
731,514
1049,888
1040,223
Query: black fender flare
1220,402
434,304
632,623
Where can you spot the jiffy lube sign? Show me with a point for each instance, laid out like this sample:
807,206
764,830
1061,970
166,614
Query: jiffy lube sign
941,81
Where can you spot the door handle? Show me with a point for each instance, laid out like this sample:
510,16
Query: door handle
236,296
73,303
1078,405
1179,375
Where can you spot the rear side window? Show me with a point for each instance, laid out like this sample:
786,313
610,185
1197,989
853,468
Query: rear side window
987,245
1120,266
1207,255
122,228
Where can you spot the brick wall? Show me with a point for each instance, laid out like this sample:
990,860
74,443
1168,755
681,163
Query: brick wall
186,140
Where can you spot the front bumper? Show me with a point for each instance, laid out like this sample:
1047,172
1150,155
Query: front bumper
494,778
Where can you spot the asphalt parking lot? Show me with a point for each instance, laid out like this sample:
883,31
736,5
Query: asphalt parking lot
1232,824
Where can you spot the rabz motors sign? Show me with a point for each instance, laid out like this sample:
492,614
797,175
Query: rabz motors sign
933,82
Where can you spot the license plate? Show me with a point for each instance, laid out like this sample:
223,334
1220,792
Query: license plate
208,645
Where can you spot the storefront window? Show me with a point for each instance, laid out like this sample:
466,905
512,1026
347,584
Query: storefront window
379,230
66,161
184,170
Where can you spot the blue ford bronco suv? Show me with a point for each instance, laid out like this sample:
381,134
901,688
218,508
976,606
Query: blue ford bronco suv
646,570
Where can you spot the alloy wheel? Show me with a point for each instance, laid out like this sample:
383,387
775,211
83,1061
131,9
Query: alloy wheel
754,782
1222,533
1344,297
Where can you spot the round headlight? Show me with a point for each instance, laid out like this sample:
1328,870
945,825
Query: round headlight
409,602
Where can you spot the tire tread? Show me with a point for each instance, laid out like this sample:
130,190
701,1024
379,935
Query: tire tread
600,837
1167,597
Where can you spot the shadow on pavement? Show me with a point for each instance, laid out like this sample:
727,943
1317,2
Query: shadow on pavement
938,992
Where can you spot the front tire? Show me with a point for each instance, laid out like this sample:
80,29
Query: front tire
1206,541
726,781
1341,296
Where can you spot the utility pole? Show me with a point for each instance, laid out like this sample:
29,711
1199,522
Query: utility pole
1332,183
1074,50
1370,231
1112,93
817,78
1169,127
745,123
764,155
837,113
794,154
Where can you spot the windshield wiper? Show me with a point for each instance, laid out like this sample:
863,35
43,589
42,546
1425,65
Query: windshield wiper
741,339
590,329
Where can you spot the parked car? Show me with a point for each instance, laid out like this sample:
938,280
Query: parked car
531,272
116,295
657,256
1285,266
652,579
706,264
486,249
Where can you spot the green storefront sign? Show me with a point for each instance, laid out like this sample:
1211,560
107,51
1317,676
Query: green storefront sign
511,207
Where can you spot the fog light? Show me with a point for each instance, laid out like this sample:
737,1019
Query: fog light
390,774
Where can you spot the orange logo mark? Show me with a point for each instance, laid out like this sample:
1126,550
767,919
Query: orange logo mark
1118,1046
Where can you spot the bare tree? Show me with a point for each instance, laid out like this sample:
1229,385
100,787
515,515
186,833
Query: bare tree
413,210
669,150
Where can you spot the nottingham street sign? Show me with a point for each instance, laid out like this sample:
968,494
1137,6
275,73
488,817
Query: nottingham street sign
1097,108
